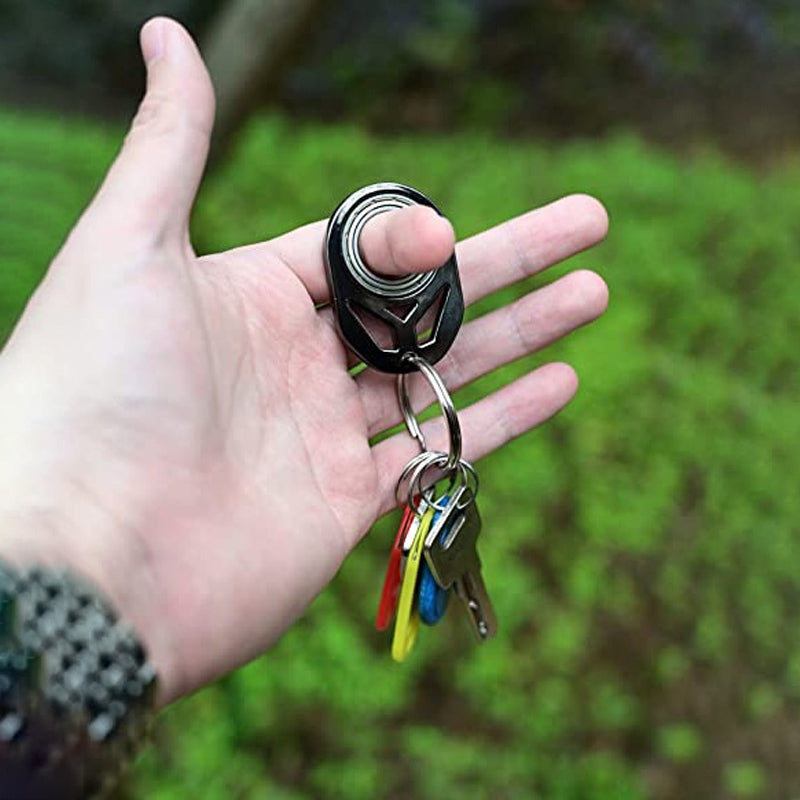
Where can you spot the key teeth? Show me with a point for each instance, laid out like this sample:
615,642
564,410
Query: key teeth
455,563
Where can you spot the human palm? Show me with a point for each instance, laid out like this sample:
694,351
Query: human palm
205,453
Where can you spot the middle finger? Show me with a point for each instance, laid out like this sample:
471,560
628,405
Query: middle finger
497,338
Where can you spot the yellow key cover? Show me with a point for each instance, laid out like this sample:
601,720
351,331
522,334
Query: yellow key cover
407,621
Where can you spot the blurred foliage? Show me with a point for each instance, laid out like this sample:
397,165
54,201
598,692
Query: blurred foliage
641,549
728,70
82,42
568,65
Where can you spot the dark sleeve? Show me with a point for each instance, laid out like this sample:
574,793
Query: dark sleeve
76,690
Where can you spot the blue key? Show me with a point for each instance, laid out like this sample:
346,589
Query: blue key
432,600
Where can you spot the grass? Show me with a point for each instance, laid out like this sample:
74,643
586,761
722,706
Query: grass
641,549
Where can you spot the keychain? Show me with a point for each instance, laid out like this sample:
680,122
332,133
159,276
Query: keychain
365,303
404,326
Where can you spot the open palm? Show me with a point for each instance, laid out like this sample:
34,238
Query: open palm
190,426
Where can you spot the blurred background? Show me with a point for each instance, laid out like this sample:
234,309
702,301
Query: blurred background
642,549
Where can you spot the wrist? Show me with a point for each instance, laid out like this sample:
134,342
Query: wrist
66,522
77,692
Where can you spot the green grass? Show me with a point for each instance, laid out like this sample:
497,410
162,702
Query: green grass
642,549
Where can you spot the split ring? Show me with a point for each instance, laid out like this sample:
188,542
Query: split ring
413,472
409,470
456,478
445,403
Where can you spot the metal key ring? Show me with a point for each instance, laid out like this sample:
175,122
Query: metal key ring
445,403
470,472
409,470
456,478
412,473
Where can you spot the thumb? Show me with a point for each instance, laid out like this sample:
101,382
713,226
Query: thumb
151,186
412,239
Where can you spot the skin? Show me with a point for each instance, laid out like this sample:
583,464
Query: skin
184,431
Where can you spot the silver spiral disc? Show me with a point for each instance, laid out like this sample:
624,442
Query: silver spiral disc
394,288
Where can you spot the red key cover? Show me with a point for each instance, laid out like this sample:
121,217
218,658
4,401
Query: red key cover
394,575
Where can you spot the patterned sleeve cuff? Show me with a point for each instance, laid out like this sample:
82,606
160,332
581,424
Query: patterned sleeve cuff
76,690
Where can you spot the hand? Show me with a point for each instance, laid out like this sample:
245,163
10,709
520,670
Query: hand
184,430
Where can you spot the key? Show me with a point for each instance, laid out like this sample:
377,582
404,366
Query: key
471,591
394,574
453,559
441,519
432,599
411,532
407,621
444,546
413,528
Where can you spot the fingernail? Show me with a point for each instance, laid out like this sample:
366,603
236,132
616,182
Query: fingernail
153,41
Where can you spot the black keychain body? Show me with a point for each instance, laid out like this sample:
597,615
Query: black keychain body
384,319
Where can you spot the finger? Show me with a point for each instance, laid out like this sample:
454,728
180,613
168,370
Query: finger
575,223
151,186
486,425
487,261
528,244
412,239
497,338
